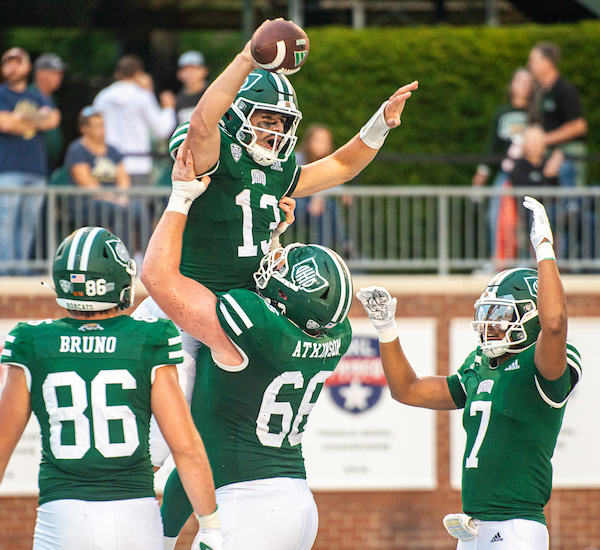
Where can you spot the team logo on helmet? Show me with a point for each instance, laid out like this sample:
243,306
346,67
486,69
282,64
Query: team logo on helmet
305,275
532,285
119,251
250,81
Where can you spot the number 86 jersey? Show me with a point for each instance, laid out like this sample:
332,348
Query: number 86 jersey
90,384
512,417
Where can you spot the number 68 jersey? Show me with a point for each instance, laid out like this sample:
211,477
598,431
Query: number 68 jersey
512,417
252,417
90,384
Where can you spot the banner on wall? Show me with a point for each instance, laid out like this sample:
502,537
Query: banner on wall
575,462
357,436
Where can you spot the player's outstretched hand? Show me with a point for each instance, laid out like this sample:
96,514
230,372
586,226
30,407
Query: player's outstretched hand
540,227
186,188
396,103
380,307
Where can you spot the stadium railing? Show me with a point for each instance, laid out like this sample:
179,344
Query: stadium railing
376,229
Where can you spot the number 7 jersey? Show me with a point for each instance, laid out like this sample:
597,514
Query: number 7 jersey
512,417
90,384
229,226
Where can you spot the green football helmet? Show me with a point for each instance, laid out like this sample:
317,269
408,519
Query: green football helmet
93,271
264,91
508,305
310,284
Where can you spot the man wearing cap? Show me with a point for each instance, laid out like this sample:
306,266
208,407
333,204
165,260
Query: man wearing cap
48,73
192,73
24,115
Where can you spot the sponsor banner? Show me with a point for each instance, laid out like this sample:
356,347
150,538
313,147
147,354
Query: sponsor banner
357,436
575,462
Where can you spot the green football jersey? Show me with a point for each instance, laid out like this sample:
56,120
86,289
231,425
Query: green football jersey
252,418
229,226
512,416
90,384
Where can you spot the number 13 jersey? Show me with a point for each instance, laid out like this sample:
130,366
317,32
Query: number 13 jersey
229,226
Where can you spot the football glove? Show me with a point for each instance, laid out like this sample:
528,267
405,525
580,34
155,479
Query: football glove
541,232
209,536
460,526
381,309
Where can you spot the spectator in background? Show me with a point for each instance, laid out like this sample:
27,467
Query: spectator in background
534,168
560,112
510,120
24,115
93,164
48,74
321,215
132,116
192,73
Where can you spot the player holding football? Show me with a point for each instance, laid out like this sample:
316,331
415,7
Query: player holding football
92,379
265,358
513,389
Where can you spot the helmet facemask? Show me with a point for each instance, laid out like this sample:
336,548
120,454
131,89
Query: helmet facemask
310,284
283,142
502,315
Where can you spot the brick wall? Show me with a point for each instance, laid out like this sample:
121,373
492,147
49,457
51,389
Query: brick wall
393,520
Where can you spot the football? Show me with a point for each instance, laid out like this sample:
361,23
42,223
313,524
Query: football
280,46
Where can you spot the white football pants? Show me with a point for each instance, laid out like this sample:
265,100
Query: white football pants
512,534
268,514
132,524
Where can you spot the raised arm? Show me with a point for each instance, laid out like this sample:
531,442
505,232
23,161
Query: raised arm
430,392
551,347
203,136
349,160
186,302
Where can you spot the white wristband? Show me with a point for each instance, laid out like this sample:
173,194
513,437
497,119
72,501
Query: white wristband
179,204
388,335
545,251
181,200
211,521
374,132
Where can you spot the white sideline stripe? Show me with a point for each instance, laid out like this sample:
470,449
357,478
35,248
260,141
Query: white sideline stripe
74,247
229,319
6,352
175,354
87,248
237,308
174,340
10,338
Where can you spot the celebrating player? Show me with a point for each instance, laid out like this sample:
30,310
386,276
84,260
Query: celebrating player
93,379
513,389
266,356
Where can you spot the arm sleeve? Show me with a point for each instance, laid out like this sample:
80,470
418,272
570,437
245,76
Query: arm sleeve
556,392
18,349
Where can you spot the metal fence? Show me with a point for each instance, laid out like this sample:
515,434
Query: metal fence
376,229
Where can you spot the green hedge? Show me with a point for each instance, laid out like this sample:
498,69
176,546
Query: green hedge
463,74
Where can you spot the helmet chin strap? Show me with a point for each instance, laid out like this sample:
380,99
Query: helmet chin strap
260,159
